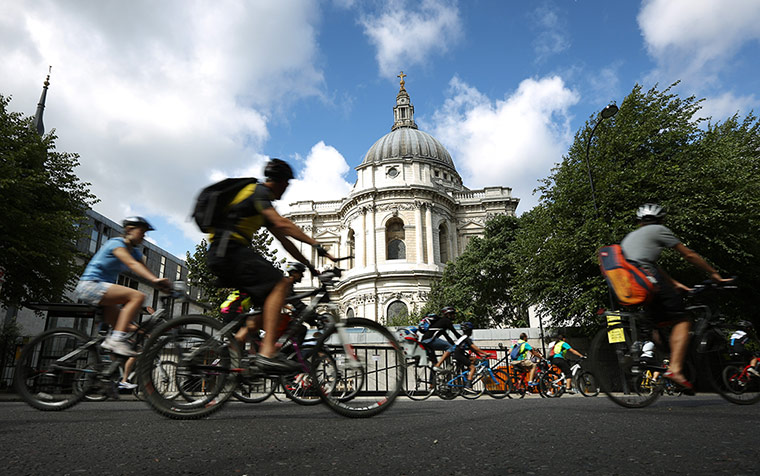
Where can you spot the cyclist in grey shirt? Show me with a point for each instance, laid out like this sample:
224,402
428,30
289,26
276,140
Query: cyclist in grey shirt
643,247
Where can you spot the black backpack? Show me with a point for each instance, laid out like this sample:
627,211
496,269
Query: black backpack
210,210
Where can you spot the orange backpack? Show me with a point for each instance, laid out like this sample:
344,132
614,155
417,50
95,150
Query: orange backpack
630,284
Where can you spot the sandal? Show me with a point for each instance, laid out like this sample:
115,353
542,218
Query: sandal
688,387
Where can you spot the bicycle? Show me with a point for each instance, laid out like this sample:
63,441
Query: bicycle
615,352
649,382
419,376
552,382
495,383
354,380
61,367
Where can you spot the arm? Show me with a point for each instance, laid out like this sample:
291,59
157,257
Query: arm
694,258
140,269
577,353
281,227
478,350
294,252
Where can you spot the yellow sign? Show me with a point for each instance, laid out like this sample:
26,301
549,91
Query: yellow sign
615,331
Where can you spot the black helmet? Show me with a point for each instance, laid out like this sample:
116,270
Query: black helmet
295,267
137,221
745,324
448,310
650,212
468,325
278,171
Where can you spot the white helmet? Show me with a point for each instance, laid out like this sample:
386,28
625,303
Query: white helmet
650,211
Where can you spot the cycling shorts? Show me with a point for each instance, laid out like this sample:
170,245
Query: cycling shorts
241,267
438,344
524,364
563,365
91,292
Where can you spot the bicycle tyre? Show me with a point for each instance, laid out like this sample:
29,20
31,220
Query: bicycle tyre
586,384
551,385
617,374
205,381
498,386
53,389
303,389
255,390
517,386
442,387
476,390
381,378
419,381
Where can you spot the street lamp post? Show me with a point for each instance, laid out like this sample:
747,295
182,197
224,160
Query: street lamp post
606,113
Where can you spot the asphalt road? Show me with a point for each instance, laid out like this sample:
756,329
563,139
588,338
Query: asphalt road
570,435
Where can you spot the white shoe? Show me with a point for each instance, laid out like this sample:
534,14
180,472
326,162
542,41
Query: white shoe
118,347
127,385
753,371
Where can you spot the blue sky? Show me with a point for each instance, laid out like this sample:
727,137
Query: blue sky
161,98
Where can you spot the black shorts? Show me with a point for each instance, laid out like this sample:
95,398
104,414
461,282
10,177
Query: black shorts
667,304
563,365
243,268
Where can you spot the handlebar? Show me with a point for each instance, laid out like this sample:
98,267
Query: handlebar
710,285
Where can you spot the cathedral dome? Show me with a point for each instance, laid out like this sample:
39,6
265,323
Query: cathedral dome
407,142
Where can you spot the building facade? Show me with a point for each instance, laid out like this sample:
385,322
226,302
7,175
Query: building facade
407,215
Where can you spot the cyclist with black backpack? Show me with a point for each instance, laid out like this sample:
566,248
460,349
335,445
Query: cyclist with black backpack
231,257
439,329
642,247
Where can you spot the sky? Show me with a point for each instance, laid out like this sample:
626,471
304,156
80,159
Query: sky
160,99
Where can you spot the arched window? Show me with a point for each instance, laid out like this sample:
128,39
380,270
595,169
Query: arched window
351,242
349,313
397,309
443,243
394,239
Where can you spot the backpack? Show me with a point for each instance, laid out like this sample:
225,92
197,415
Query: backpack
630,284
516,351
210,210
424,324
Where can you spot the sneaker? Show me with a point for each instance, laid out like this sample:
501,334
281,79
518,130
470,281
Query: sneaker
437,369
570,391
468,389
277,365
532,384
118,347
127,385
753,371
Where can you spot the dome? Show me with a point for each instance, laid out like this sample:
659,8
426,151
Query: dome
407,142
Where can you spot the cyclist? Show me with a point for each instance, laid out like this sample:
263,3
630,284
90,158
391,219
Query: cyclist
97,285
557,354
439,328
463,349
523,362
232,259
738,350
643,247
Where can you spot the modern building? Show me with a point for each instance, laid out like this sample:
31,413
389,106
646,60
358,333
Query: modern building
407,215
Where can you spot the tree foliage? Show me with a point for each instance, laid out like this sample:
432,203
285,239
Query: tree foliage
480,282
656,149
200,276
43,207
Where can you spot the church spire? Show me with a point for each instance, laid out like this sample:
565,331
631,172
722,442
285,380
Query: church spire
403,112
41,105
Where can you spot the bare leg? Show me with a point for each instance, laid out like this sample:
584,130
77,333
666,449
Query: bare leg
679,341
128,365
272,308
131,299
443,358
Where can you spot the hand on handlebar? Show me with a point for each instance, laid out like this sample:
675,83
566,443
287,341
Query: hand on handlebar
163,284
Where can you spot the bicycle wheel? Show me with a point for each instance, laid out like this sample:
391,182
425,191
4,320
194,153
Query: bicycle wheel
476,389
551,385
497,386
419,381
206,373
55,369
715,361
255,389
367,381
616,373
586,384
442,387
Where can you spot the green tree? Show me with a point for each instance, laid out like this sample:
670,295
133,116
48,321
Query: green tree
200,276
480,282
43,207
656,149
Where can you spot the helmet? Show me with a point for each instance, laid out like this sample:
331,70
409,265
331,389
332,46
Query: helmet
295,267
467,325
650,212
278,170
744,324
432,315
137,221
448,310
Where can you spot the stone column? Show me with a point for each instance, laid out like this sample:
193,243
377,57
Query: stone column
371,242
429,230
361,241
418,230
454,241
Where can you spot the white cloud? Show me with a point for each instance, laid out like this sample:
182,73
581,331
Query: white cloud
511,142
551,38
694,40
405,37
720,108
156,96
322,177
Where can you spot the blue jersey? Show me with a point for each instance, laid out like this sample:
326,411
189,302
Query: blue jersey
105,266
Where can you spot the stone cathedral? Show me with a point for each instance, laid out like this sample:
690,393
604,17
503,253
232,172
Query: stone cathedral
406,216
